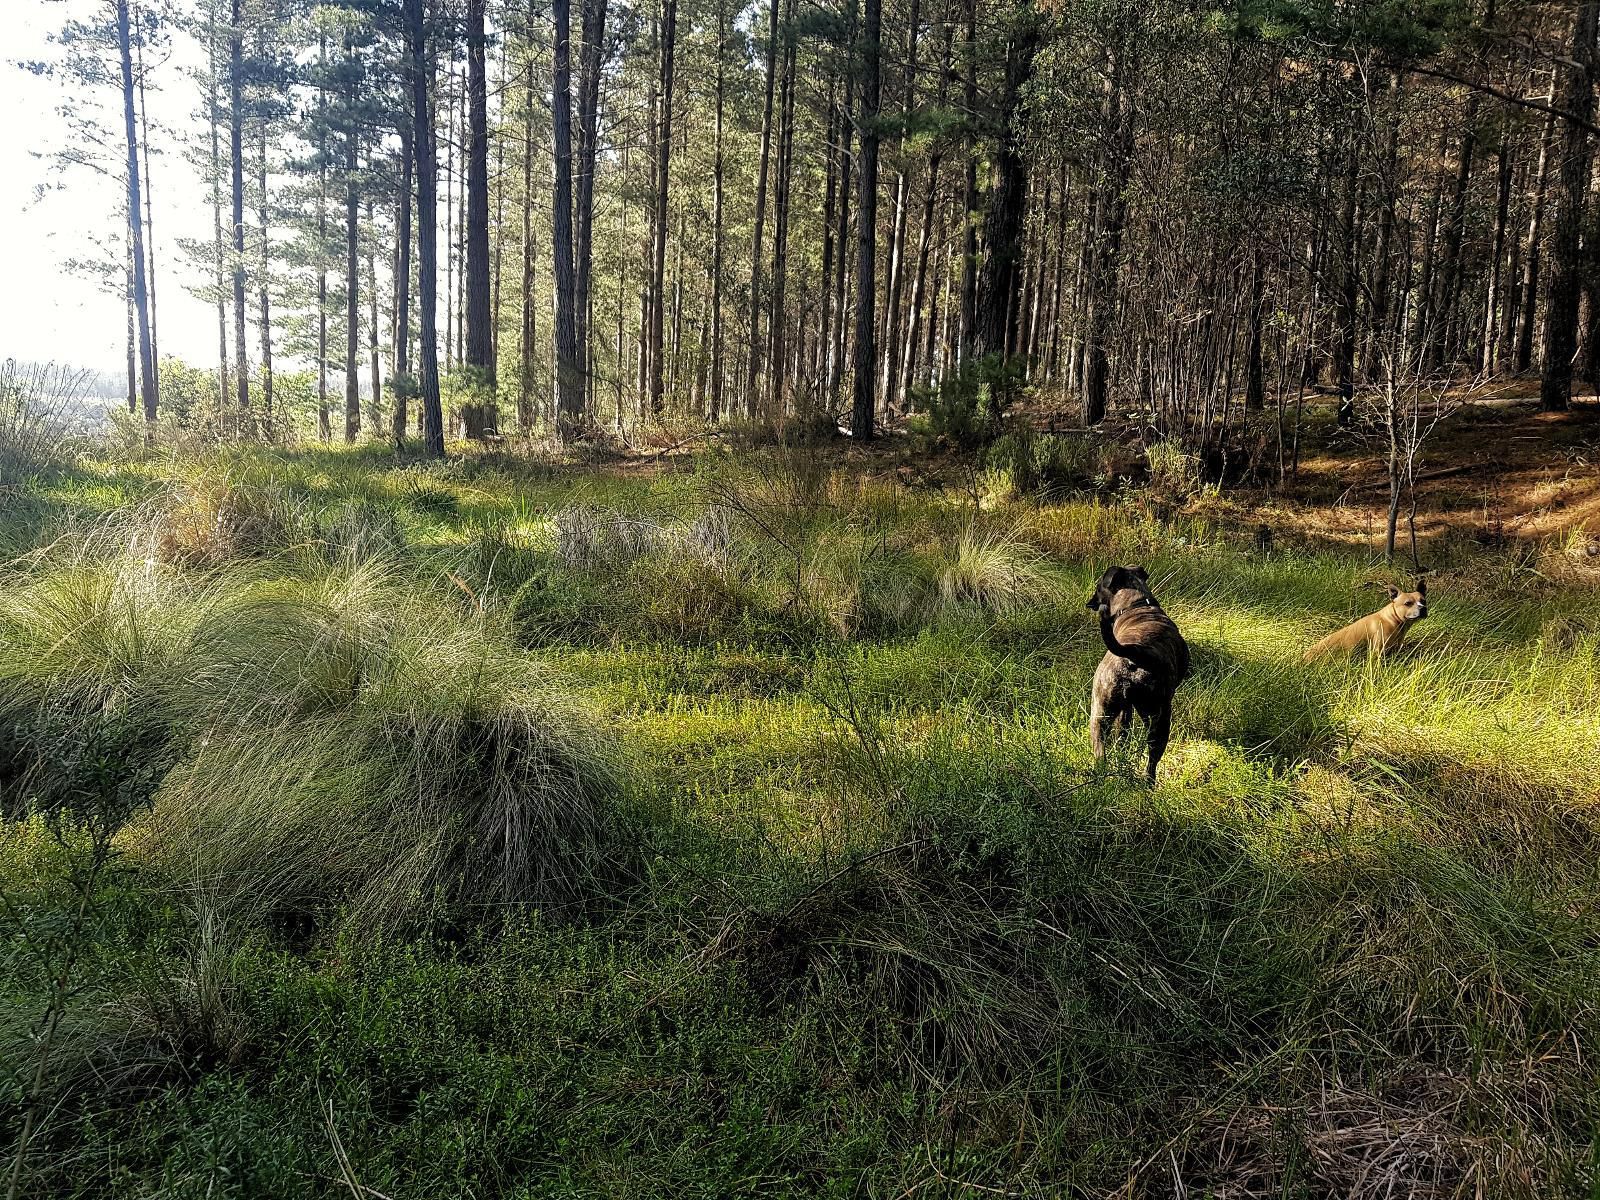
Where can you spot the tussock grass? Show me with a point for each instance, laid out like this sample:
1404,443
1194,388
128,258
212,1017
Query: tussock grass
887,911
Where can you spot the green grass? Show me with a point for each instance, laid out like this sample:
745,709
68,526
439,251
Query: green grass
517,831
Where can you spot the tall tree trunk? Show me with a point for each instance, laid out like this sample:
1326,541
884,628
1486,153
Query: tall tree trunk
133,338
999,280
530,312
841,235
352,253
219,246
1575,95
149,205
401,356
969,231
895,289
658,253
1489,349
752,395
421,72
324,418
1450,270
263,285
1522,357
569,368
141,302
718,171
480,330
1349,282
236,140
590,62
375,370
925,236
1106,249
777,324
863,410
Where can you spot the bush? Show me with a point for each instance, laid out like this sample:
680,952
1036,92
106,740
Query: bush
969,404
1022,463
1176,473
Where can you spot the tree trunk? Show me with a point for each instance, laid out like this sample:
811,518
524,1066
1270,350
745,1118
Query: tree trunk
717,201
236,140
841,235
402,286
752,403
1349,282
658,252
420,71
219,247
895,288
1575,95
141,302
1522,357
1106,249
969,226
999,279
530,312
149,214
589,66
374,368
352,254
1489,349
569,368
864,409
777,325
480,329
263,289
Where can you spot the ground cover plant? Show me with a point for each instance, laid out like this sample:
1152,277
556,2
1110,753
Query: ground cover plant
729,827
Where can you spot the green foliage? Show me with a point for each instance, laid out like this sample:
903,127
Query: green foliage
969,404
772,848
1022,463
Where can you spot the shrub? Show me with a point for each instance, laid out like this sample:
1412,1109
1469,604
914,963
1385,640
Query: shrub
968,406
1176,473
1022,463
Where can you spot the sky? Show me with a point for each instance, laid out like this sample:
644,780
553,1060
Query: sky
48,313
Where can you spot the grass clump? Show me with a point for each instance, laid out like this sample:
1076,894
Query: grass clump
367,761
212,519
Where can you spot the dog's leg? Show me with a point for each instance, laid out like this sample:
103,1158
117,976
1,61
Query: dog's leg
1100,723
1160,730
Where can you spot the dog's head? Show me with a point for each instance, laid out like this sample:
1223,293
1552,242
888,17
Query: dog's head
1115,580
1409,606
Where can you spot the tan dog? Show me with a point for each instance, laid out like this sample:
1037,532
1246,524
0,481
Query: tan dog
1379,633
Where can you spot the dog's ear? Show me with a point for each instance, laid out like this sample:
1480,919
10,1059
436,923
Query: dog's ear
1422,587
1391,589
1142,574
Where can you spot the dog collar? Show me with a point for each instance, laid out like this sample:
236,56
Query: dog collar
1141,602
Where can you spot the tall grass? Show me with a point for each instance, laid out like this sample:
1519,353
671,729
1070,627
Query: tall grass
901,932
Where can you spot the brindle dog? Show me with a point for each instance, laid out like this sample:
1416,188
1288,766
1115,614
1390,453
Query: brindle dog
1146,659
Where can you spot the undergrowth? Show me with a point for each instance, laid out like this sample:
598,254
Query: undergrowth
490,832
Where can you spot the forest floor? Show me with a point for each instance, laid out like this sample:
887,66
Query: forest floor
724,823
